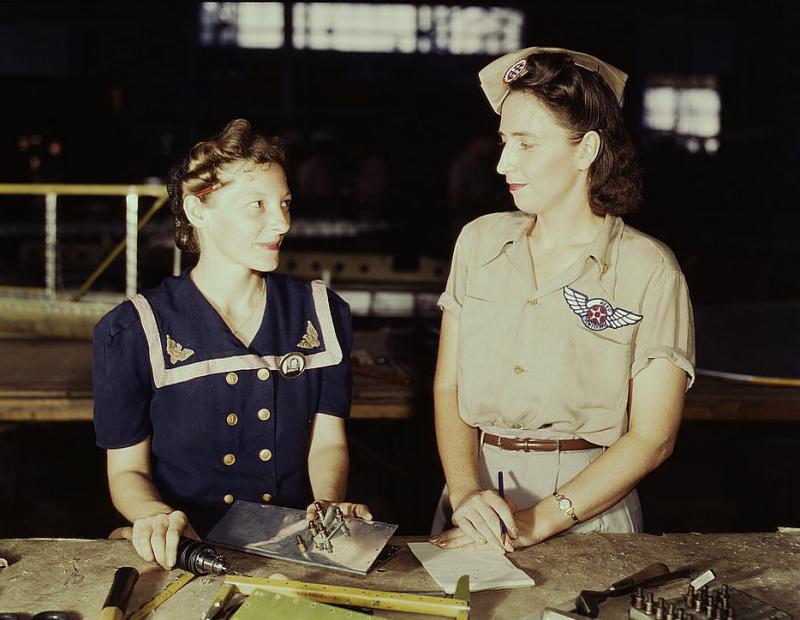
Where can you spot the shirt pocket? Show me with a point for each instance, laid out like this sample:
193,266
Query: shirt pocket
474,330
599,372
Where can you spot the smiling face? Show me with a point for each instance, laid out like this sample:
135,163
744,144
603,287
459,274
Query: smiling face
245,220
542,165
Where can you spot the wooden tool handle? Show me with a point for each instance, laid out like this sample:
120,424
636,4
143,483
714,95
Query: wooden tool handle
119,594
111,613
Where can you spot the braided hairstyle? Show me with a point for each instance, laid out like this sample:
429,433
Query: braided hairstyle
200,170
582,101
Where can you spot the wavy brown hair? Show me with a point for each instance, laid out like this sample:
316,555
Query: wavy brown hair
581,101
199,171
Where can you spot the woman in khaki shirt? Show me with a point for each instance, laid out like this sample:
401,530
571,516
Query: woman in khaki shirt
567,339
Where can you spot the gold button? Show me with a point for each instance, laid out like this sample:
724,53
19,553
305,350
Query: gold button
604,268
232,419
265,454
263,374
232,378
515,425
266,497
228,499
263,414
533,301
229,459
518,370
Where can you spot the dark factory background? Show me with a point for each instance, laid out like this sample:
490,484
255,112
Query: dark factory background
393,149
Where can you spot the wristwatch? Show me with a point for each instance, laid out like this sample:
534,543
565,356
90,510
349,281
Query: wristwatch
565,505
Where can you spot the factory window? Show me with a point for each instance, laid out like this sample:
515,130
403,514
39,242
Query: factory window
685,109
364,27
242,24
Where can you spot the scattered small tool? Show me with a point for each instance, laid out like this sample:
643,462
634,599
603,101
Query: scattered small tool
119,594
724,603
588,601
456,607
587,604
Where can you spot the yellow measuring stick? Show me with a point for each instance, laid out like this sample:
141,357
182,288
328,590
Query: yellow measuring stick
163,596
456,607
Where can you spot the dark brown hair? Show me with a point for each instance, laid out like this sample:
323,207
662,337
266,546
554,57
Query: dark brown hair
199,171
581,101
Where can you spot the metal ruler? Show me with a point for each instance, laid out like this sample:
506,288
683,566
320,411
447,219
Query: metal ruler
162,596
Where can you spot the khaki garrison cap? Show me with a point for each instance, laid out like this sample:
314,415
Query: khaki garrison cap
498,74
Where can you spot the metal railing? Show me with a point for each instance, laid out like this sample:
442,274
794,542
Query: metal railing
133,225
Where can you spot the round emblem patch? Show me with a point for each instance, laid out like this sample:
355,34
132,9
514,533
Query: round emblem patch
292,365
515,70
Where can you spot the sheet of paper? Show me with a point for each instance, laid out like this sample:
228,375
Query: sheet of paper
487,569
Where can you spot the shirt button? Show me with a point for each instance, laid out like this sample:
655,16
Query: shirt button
265,454
232,419
266,497
263,374
604,268
232,378
229,459
533,301
263,414
515,425
518,370
228,499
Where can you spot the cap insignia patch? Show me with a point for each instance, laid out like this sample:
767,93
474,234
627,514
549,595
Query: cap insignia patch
515,71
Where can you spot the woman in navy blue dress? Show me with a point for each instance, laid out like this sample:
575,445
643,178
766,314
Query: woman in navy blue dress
229,381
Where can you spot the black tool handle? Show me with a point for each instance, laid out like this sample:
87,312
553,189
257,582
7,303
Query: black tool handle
654,570
120,593
655,580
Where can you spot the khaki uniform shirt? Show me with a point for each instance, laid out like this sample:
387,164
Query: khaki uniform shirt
562,356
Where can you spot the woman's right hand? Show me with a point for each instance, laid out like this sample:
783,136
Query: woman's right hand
479,516
156,537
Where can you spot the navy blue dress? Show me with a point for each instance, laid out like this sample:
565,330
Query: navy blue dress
225,422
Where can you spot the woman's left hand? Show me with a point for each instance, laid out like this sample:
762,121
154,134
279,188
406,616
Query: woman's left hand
349,509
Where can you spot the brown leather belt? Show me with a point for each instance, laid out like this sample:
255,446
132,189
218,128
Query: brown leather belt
538,445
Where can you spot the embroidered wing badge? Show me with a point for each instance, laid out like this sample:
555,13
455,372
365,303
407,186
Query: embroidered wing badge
177,352
310,339
597,314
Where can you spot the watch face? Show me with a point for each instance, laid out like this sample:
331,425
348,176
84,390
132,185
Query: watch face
564,504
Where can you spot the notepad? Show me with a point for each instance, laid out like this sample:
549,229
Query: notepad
487,569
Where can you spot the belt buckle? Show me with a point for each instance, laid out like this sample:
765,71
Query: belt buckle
529,444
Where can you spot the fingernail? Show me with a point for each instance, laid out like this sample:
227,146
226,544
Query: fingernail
514,532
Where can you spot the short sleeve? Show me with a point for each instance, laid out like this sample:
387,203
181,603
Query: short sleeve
121,379
453,297
667,326
337,381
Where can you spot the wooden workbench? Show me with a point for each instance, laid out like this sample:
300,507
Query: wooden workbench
74,575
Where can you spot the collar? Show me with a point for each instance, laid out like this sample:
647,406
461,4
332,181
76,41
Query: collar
509,230
604,249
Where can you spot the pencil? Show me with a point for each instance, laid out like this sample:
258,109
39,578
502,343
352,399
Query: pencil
501,491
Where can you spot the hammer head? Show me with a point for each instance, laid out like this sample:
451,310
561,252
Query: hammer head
588,603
